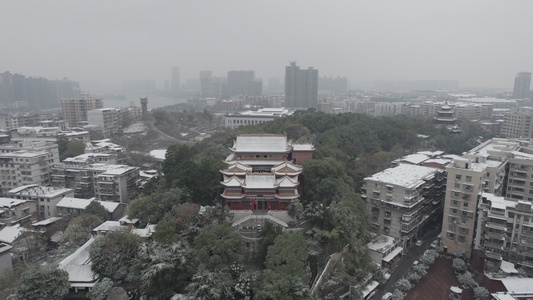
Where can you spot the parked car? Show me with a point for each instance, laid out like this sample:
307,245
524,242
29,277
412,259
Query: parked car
387,296
419,243
435,244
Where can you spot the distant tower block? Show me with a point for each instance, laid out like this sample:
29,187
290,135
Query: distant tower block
144,107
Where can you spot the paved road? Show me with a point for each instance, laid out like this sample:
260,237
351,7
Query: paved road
413,253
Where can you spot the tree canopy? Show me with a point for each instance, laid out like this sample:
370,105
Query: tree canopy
39,283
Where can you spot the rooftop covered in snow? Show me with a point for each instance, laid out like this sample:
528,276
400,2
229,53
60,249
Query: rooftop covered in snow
408,176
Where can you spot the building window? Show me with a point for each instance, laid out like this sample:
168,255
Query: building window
457,185
451,236
469,178
462,238
465,204
458,177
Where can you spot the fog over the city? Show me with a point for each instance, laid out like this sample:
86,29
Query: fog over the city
479,43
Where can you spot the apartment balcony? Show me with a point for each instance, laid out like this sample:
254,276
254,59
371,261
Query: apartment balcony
496,226
526,263
495,236
492,255
493,245
527,242
499,217
527,233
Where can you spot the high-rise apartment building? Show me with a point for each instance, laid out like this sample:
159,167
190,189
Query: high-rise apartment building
105,182
522,83
301,87
400,201
24,167
481,170
518,123
240,82
75,109
108,120
175,79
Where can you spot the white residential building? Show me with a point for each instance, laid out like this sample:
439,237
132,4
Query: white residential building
75,109
26,167
104,182
108,120
75,207
401,201
15,211
45,197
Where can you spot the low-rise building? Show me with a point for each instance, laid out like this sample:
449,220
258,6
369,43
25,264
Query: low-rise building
78,267
384,250
45,197
75,206
15,211
255,117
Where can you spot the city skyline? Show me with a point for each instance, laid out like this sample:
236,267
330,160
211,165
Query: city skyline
479,44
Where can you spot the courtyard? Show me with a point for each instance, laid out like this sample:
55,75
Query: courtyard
437,282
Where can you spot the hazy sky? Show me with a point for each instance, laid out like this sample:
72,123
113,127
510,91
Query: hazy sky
480,43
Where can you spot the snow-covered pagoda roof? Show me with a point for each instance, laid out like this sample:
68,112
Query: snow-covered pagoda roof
287,168
261,143
237,168
287,182
303,147
232,182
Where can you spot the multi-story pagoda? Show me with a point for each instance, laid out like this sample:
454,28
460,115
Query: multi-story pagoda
263,171
445,115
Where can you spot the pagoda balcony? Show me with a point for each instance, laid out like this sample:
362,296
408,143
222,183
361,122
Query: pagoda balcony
232,196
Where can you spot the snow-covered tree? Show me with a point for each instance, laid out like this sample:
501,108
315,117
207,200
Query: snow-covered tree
466,279
397,295
79,230
295,209
379,277
432,253
414,277
209,285
218,246
39,283
460,254
481,293
112,255
403,285
161,269
427,260
420,269
101,289
459,265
